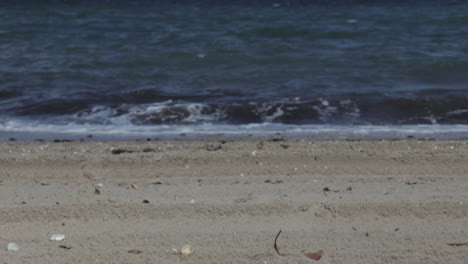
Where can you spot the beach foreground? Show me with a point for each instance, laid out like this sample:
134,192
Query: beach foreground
134,202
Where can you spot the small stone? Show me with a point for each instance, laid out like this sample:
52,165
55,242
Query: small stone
13,247
192,201
187,250
57,237
100,185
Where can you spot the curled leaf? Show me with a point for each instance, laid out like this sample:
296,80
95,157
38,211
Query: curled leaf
260,145
97,191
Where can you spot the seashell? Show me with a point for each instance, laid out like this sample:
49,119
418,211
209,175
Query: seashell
12,246
187,250
57,237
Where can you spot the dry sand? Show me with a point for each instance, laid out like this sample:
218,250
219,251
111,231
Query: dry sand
359,202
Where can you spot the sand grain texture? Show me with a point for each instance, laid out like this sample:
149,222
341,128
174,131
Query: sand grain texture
359,202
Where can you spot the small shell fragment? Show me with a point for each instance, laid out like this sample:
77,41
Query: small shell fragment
12,246
187,250
315,256
57,237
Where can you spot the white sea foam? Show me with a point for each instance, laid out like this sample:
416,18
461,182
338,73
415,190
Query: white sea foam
30,130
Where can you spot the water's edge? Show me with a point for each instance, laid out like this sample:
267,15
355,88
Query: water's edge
264,131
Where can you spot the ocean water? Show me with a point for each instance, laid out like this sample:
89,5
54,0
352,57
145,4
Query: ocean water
165,68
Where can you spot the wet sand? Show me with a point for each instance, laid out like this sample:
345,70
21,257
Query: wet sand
358,201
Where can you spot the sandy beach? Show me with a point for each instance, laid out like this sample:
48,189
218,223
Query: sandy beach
139,202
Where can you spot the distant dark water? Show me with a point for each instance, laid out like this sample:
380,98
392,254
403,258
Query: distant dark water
78,66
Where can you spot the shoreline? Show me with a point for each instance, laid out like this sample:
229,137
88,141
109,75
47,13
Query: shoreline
242,132
365,202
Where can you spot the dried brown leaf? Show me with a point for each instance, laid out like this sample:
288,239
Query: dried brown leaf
135,251
97,191
314,256
89,176
260,145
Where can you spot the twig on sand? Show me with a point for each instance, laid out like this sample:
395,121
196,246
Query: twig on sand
458,244
276,245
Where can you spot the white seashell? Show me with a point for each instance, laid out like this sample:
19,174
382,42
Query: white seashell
57,237
13,247
187,250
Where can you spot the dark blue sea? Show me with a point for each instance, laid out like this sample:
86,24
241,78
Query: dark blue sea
129,69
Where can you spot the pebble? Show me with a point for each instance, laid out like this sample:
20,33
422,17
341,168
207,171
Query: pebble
12,246
57,237
187,250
